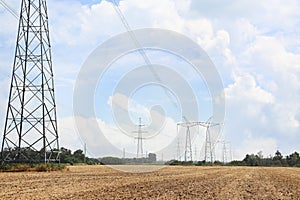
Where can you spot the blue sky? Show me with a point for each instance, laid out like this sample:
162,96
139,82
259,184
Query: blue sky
255,46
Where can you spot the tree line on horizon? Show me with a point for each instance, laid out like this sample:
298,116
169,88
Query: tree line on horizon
69,157
66,156
149,159
278,160
292,160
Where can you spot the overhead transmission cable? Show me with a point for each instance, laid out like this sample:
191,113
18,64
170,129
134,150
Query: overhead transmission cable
141,50
146,58
15,14
9,9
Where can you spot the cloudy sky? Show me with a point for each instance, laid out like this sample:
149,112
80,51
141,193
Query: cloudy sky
254,45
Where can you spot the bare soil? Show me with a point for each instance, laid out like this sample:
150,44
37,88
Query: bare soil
102,182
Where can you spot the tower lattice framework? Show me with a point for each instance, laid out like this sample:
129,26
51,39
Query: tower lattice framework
30,132
209,145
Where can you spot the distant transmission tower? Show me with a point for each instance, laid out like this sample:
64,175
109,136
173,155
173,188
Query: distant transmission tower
178,154
224,150
195,153
208,142
139,150
188,153
30,132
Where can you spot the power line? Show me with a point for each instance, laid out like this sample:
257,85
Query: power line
141,50
9,9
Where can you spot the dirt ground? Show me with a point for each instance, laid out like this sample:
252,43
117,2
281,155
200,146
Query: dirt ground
101,182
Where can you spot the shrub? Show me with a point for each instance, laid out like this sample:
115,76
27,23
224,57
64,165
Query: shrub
49,167
31,167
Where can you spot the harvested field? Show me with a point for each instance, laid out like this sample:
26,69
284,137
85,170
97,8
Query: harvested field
101,182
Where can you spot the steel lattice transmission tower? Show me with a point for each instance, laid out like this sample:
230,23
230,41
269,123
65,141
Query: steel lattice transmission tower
139,149
30,133
208,141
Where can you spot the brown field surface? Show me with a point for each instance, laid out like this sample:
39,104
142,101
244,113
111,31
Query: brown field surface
101,182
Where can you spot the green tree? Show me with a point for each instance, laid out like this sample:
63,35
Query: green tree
277,159
278,156
112,161
66,156
293,159
251,160
78,156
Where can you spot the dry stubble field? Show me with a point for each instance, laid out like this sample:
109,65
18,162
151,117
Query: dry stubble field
101,182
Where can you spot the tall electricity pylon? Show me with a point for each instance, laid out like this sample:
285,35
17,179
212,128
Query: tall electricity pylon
30,132
225,150
188,154
139,149
208,142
